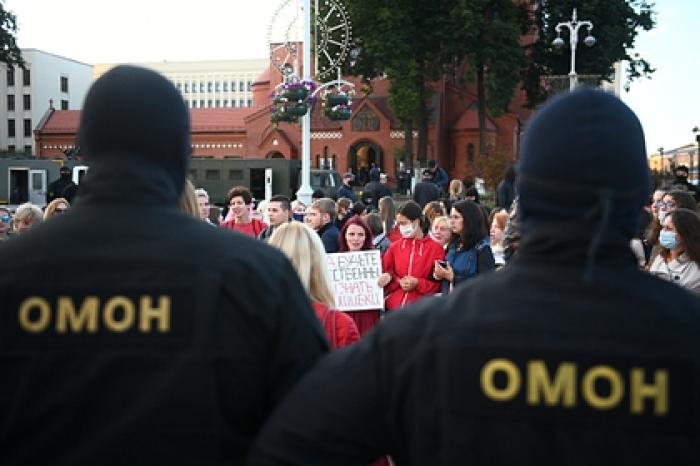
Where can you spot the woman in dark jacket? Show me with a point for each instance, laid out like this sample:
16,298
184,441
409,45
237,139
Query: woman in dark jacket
469,251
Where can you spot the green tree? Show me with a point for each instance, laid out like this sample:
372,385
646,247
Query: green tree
10,54
616,24
405,41
491,39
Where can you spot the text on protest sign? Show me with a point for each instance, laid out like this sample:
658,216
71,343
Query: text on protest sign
354,276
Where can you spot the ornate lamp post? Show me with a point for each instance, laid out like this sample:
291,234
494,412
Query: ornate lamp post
696,130
574,25
331,43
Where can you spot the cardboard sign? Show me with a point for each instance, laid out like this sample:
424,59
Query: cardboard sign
354,276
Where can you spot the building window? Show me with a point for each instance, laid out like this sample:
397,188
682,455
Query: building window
27,149
250,102
233,86
178,86
64,84
26,78
209,105
470,152
201,104
64,105
27,102
217,86
209,87
187,88
10,103
226,102
10,76
241,86
212,175
241,103
217,104
11,128
11,148
249,85
225,86
27,127
201,87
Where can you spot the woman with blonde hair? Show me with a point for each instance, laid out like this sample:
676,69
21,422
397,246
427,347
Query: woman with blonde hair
440,230
26,216
304,248
456,190
56,207
188,201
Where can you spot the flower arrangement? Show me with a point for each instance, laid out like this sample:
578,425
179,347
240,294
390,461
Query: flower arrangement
337,104
292,100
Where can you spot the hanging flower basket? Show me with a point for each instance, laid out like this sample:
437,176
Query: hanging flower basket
297,110
338,113
295,95
337,99
337,104
292,100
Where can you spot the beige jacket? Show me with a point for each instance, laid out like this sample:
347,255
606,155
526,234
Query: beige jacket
682,271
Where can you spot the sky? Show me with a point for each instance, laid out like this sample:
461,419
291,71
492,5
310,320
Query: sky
101,31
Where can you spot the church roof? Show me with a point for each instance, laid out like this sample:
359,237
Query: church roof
201,120
62,122
469,120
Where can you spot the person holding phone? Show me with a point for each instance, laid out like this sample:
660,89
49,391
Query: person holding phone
469,251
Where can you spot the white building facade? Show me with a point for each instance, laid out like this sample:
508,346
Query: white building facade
25,95
208,84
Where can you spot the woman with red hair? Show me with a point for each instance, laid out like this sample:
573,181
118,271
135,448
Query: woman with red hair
356,236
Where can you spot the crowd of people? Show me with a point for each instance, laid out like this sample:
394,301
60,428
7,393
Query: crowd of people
168,339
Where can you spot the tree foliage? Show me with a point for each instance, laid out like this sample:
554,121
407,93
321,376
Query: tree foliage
405,41
10,54
491,43
616,24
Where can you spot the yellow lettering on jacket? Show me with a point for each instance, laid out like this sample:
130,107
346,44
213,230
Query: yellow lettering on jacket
160,314
68,320
116,314
560,391
614,379
38,323
658,391
513,381
110,309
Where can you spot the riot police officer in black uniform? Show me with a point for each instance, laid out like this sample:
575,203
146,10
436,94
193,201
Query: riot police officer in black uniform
154,338
568,355
62,187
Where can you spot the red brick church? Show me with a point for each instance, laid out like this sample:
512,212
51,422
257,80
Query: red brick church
371,135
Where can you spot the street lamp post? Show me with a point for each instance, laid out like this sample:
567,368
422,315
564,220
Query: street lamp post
696,130
574,25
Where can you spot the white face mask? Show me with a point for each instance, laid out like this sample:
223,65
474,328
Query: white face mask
407,231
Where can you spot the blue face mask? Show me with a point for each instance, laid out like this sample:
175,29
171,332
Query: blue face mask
668,239
298,217
5,218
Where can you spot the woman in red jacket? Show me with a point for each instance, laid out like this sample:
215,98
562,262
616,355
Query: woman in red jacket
305,250
356,236
408,264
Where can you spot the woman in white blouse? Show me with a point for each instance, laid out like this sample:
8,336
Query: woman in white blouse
679,255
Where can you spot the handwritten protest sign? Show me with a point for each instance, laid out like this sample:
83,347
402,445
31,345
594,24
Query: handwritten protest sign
354,276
